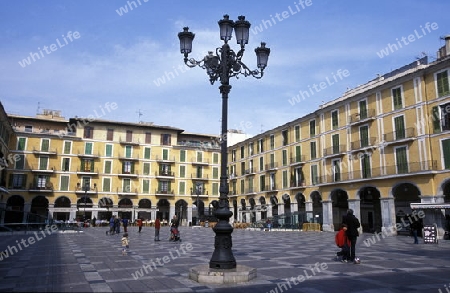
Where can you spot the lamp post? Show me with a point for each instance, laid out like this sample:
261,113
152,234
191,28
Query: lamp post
222,65
198,190
86,188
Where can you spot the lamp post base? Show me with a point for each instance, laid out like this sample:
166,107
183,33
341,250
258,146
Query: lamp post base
205,274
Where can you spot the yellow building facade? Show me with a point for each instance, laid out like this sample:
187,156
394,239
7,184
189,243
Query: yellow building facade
381,149
86,168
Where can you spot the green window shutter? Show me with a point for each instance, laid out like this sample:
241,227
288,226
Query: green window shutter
64,183
442,84
132,168
67,145
402,163
82,165
215,173
146,186
88,148
108,167
20,163
43,163
314,174
215,188
199,157
365,166
399,127
298,153
128,149
312,128
436,119
334,119
364,136
45,145
165,154
182,156
182,171
147,153
106,184
215,158
21,144
446,153
146,169
108,150
284,153
362,110
335,139
397,96
92,166
182,188
313,149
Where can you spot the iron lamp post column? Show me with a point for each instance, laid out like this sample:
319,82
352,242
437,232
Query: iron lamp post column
224,64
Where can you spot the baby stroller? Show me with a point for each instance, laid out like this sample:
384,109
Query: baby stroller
174,234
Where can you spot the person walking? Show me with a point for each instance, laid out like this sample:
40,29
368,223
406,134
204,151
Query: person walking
415,227
343,243
112,227
157,227
117,225
125,244
125,225
352,233
139,223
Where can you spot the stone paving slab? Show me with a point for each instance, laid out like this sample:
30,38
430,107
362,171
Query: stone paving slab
90,261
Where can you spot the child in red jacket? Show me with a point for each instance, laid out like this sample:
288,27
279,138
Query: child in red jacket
343,243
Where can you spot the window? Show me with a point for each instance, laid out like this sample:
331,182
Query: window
284,134
312,145
285,179
199,157
65,164
18,181
148,137
163,186
129,136
312,128
215,188
441,118
272,141
298,154
64,185
28,128
215,173
128,151
443,88
20,163
45,145
164,169
43,163
165,154
88,132
108,150
21,143
182,155
397,98
146,186
242,152
401,160
399,128
365,166
297,132
87,165
334,119
128,167
165,139
215,158
110,134
199,173
284,157
250,149
336,168
233,155
182,171
260,145
261,164
446,153
106,184
335,141
147,153
88,148
272,182
314,175
364,136
126,185
41,181
146,169
67,147
363,109
108,167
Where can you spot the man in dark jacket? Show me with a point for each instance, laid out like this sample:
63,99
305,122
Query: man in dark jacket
352,231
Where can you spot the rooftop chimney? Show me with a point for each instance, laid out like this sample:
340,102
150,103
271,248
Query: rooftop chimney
445,50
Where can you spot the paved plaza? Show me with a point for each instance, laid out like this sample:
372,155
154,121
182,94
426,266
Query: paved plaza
286,261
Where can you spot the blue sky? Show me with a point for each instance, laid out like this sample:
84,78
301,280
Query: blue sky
97,55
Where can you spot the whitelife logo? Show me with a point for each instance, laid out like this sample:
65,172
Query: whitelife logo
49,49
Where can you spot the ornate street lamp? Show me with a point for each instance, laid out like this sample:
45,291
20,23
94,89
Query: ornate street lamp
222,65
198,190
86,189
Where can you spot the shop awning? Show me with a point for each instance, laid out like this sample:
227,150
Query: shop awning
430,206
3,189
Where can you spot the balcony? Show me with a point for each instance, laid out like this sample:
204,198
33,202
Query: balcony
334,151
87,171
92,156
42,170
204,162
298,184
165,159
250,171
271,166
52,152
362,117
298,160
127,191
128,174
124,157
232,176
47,187
128,141
363,144
165,174
395,137
270,188
250,191
164,193
79,190
199,176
